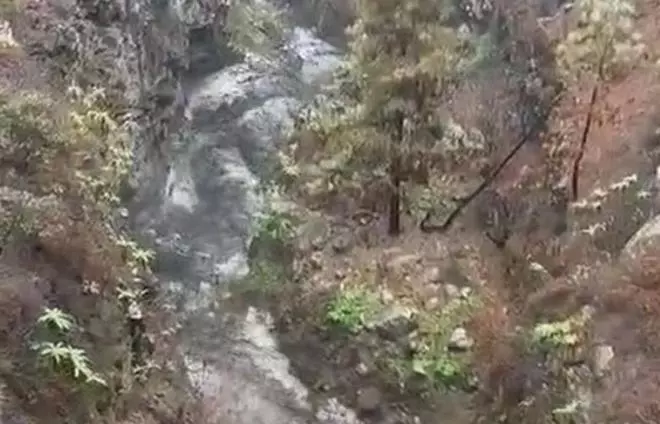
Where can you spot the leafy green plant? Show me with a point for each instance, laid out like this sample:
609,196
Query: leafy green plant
57,353
56,320
557,334
138,258
70,361
256,27
74,150
275,222
351,308
445,369
131,298
276,226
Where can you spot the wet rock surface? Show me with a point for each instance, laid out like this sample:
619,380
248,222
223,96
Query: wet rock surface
199,214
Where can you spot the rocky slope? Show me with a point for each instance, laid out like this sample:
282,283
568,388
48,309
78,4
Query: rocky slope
205,118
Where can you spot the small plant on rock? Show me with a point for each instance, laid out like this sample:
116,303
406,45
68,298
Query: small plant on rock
275,223
556,334
433,357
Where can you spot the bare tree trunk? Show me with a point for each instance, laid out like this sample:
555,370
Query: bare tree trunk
394,222
575,177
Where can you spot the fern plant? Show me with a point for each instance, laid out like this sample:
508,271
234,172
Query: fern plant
138,258
70,361
57,353
56,320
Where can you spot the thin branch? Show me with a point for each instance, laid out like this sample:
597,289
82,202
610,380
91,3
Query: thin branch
465,201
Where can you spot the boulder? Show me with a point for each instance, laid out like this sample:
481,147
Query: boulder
460,340
369,399
649,231
393,322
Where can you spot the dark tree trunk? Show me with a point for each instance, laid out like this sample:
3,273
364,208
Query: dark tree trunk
575,177
394,223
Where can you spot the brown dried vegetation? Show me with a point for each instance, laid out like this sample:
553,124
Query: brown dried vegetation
59,248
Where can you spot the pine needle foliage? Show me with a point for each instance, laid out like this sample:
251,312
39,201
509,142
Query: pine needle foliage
604,42
403,57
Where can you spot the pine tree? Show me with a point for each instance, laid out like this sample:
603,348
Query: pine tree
403,55
603,46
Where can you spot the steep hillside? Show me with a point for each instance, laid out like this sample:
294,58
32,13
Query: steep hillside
522,323
460,227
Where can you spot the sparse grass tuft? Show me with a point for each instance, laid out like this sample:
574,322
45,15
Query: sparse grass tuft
432,358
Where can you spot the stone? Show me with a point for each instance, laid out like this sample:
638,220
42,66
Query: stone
386,296
650,230
433,275
432,303
333,412
460,340
312,234
318,243
316,260
369,399
340,274
540,273
452,291
362,369
342,243
465,292
7,40
602,359
393,322
398,265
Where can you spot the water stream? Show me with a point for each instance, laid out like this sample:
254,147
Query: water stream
234,116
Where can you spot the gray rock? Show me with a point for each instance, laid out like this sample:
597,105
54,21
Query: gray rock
312,234
318,243
433,275
401,265
650,230
342,243
432,303
452,291
362,369
369,399
333,412
386,296
465,292
460,340
394,322
602,360
316,260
